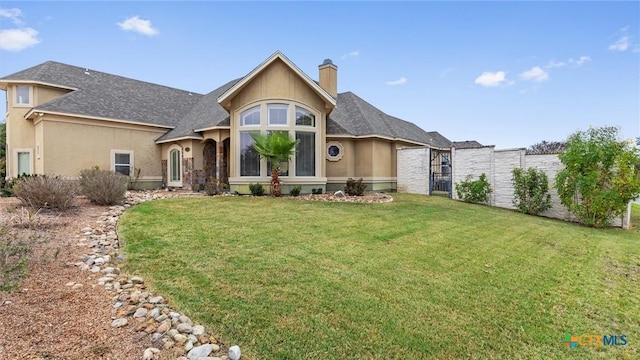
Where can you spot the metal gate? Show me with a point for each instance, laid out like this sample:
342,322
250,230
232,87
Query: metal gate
440,171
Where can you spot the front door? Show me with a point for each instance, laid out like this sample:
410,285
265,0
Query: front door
175,168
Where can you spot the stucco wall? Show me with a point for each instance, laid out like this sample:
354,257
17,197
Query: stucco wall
413,170
70,146
498,164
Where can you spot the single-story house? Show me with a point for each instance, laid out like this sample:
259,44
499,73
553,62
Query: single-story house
62,119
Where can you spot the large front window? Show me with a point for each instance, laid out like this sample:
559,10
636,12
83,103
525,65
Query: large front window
298,122
249,157
278,114
306,154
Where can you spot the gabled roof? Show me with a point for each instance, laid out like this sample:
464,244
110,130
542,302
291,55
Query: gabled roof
276,56
107,96
354,116
467,144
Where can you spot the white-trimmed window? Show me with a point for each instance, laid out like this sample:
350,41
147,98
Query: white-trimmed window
175,166
24,162
250,117
334,151
278,114
306,153
297,122
304,117
122,161
249,157
23,95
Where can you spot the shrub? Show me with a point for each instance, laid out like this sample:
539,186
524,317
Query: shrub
103,187
355,187
45,192
530,190
256,189
295,191
211,187
3,171
600,175
474,191
16,245
317,191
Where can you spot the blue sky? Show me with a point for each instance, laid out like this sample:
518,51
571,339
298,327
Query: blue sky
508,74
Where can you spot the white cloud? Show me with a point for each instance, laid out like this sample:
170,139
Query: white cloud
354,54
18,39
138,25
400,81
581,60
553,64
621,44
536,74
14,14
491,79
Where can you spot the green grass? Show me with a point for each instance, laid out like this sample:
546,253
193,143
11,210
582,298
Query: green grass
420,277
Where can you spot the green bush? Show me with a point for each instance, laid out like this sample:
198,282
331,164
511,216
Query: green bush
103,187
295,191
355,187
530,190
256,189
317,191
600,175
50,192
474,191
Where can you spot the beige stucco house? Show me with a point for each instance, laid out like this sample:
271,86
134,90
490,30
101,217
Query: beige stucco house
62,119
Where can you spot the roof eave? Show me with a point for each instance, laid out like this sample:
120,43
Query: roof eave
187,137
40,112
4,84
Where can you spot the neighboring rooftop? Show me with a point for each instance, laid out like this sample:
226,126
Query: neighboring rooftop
467,144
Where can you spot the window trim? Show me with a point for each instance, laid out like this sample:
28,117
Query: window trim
131,160
265,127
169,151
250,111
280,106
295,111
15,96
15,159
340,154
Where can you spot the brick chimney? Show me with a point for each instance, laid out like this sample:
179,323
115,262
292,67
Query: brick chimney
328,77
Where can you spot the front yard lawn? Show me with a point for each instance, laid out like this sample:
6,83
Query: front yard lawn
419,277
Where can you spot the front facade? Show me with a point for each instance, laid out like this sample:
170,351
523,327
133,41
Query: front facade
62,119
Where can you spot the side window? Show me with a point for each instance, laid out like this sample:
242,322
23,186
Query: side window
23,95
122,161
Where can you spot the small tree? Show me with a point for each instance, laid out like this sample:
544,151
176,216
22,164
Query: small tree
546,147
530,190
277,148
600,175
474,191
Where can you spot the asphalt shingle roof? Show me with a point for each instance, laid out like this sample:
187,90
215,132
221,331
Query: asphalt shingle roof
110,96
467,144
206,113
354,116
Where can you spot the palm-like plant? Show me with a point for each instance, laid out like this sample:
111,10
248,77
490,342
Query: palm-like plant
276,147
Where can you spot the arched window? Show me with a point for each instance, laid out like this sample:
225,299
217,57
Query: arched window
175,166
